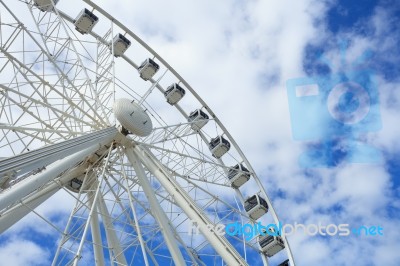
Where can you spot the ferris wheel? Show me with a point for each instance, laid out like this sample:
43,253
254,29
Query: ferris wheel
142,169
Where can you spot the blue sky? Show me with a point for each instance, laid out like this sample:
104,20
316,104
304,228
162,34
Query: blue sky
239,56
375,23
353,18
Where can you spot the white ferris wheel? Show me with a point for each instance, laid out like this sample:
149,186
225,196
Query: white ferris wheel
90,112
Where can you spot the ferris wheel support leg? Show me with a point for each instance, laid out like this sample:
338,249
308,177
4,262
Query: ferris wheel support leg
11,217
17,212
23,188
221,245
157,211
112,238
93,206
96,235
66,236
135,217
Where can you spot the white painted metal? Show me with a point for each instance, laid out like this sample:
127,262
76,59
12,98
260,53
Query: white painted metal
137,226
29,185
220,244
119,45
136,222
174,94
65,236
17,212
85,21
80,62
112,238
206,107
148,69
39,158
157,211
93,206
96,234
45,5
133,117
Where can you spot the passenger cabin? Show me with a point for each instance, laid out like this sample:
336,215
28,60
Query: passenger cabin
284,263
85,21
45,5
76,184
219,146
238,175
255,207
120,44
174,93
198,119
270,244
148,69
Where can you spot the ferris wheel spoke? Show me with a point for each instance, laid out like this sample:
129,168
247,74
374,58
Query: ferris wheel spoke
135,223
132,198
174,138
29,34
79,63
168,132
153,85
7,143
130,222
36,79
210,194
105,77
178,152
143,245
72,228
179,160
92,206
182,140
220,244
75,229
52,56
13,37
112,239
158,212
61,116
26,111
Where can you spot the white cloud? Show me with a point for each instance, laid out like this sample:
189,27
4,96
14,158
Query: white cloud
23,252
238,56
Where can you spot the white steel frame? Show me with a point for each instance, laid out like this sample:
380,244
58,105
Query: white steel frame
127,180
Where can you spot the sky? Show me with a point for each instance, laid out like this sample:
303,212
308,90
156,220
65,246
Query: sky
239,56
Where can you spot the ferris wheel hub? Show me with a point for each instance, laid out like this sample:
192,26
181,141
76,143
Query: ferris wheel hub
133,117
